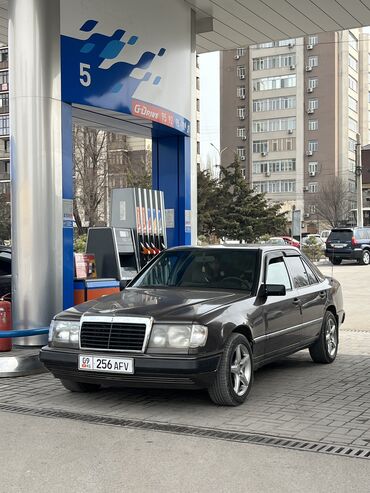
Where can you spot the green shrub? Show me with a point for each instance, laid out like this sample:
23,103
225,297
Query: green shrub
79,243
312,249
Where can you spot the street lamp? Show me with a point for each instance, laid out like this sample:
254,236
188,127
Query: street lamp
220,154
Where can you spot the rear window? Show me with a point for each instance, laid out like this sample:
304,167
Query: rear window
341,235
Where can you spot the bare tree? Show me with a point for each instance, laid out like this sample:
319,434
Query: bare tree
90,172
333,202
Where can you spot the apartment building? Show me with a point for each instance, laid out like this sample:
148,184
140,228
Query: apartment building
291,110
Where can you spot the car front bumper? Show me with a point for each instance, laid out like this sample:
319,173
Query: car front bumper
149,370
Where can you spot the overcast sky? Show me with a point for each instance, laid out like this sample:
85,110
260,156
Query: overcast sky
209,105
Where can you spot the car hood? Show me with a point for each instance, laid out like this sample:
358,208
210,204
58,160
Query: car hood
161,304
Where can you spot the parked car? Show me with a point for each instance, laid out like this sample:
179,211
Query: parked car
291,241
201,317
325,234
5,270
348,243
275,240
318,240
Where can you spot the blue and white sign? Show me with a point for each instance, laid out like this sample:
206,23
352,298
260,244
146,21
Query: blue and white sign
128,56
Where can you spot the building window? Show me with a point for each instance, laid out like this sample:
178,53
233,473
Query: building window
241,71
274,125
4,55
352,124
241,152
4,125
313,145
353,41
352,103
352,83
313,167
271,44
313,61
276,166
313,124
276,61
241,112
313,39
312,187
313,104
313,82
275,186
352,62
198,147
4,103
352,145
269,83
240,92
274,104
4,78
352,165
240,51
260,146
312,209
240,132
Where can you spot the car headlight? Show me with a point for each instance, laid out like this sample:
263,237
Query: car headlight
173,336
64,333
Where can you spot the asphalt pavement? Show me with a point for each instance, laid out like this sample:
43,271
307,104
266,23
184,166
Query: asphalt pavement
50,455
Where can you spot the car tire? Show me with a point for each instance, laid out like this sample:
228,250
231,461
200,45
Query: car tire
365,258
235,372
336,261
325,349
74,386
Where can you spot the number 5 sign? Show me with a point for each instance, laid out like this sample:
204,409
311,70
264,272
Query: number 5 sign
85,76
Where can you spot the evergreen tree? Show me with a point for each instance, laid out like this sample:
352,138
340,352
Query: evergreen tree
207,204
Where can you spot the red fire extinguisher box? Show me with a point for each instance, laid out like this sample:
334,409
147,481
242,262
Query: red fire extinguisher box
5,323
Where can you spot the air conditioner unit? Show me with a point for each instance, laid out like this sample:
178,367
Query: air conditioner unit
308,68
242,158
241,117
290,131
312,173
236,57
306,214
309,89
242,76
244,137
264,154
309,47
310,111
267,173
292,67
309,153
291,45
242,97
305,189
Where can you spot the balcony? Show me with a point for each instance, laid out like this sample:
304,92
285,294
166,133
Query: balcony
4,64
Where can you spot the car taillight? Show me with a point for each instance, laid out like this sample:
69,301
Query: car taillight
353,241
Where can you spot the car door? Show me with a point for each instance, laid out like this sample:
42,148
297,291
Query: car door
311,294
282,315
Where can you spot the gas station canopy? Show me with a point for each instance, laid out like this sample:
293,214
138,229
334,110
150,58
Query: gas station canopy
227,24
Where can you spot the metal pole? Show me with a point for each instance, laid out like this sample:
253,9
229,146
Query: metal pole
360,217
36,160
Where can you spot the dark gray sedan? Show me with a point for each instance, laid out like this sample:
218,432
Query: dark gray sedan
203,317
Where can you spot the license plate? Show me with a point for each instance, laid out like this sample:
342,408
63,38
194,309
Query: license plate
91,362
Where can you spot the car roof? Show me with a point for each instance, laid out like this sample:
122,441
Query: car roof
248,246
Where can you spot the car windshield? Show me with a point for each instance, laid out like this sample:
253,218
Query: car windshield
210,269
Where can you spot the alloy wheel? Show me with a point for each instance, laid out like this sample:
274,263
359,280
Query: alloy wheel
366,257
241,370
331,337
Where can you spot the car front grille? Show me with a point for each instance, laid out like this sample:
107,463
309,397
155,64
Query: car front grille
113,335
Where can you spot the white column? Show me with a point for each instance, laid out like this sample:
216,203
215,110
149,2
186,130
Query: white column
36,160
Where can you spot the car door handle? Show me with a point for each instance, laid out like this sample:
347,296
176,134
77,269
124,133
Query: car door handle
296,301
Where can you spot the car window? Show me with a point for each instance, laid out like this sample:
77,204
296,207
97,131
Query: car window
5,266
277,273
340,235
311,276
299,274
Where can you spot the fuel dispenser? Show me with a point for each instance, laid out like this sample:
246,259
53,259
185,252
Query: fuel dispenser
136,234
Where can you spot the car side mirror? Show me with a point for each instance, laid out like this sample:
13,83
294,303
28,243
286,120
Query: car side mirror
271,290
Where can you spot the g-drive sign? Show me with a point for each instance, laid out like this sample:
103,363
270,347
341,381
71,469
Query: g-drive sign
91,362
